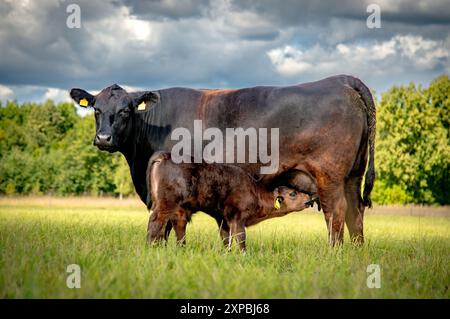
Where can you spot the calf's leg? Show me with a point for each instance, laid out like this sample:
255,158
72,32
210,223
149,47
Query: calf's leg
224,230
180,226
238,233
157,225
180,230
169,227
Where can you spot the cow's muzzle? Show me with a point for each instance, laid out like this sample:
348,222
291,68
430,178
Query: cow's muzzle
103,141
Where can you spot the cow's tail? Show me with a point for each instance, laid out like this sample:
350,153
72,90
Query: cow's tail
156,158
369,104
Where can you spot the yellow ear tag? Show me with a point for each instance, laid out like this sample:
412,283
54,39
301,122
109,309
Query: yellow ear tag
277,202
141,106
84,102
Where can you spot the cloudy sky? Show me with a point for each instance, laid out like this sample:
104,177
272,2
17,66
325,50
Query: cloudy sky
211,44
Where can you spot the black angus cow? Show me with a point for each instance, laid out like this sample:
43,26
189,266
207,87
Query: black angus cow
326,133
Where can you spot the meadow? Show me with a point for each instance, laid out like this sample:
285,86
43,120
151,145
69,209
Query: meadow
287,257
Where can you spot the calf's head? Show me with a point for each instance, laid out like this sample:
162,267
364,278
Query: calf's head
289,200
114,110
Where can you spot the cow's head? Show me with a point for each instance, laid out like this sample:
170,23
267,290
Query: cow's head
114,109
289,200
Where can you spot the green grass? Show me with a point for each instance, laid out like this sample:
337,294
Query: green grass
287,257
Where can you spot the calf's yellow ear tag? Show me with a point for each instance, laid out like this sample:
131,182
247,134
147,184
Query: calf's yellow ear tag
277,203
141,106
84,102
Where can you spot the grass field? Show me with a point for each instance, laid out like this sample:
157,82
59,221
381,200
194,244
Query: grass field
286,258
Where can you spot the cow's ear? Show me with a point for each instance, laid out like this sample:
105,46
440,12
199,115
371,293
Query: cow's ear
82,97
143,99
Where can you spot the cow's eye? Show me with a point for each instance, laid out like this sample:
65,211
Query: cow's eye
292,194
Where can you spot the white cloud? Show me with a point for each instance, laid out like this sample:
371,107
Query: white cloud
130,88
376,51
289,61
140,29
389,57
26,93
6,93
57,95
425,53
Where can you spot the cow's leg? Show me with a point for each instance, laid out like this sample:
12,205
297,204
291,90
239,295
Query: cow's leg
157,225
238,233
224,230
354,217
334,205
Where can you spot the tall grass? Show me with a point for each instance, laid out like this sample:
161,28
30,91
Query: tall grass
287,257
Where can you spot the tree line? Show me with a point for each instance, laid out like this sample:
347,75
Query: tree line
47,148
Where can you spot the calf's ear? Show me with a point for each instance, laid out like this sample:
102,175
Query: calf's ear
143,99
277,202
82,97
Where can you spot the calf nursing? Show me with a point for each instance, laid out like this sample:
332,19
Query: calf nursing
225,192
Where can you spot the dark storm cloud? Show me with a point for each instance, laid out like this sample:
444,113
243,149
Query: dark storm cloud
159,10
37,48
207,43
45,52
294,12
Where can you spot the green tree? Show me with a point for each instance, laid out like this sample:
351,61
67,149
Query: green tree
122,178
82,168
47,149
412,148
